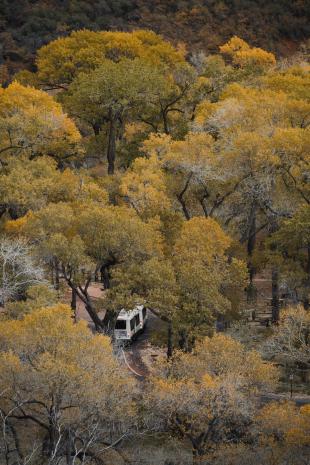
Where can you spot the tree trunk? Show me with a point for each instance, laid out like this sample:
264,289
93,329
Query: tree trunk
93,314
73,302
182,339
111,145
96,129
69,448
105,276
169,340
252,232
306,302
180,197
57,281
251,291
165,121
52,441
275,302
109,320
85,298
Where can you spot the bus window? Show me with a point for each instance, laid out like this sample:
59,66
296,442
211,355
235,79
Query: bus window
144,313
137,318
120,324
132,324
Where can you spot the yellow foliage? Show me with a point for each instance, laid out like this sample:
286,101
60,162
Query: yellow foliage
201,239
33,124
235,44
61,360
292,81
244,56
62,59
144,187
288,421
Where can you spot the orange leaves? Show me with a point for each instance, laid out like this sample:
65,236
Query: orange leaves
235,44
143,186
211,389
287,421
61,60
225,356
33,124
54,356
244,56
202,239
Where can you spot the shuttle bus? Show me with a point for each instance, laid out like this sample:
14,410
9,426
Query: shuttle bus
130,323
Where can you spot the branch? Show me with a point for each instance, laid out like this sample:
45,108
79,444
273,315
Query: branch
181,200
287,170
219,201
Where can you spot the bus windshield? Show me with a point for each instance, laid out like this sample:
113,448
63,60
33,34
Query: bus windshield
120,324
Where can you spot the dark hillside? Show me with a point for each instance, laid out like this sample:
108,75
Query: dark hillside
278,25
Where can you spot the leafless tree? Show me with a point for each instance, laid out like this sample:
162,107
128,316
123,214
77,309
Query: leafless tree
291,338
18,269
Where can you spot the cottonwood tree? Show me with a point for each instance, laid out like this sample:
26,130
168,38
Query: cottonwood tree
209,396
286,423
32,184
291,248
33,124
144,187
190,288
291,338
65,385
242,55
18,269
161,89
60,61
106,97
36,297
262,150
191,171
79,240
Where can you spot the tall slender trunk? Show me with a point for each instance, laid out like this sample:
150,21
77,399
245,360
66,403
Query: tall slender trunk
69,448
109,321
57,280
111,145
251,291
306,301
73,302
165,121
180,197
93,314
182,339
105,276
85,298
169,340
252,231
275,302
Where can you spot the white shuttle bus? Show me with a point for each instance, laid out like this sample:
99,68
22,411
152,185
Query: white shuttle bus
130,323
